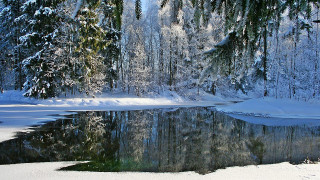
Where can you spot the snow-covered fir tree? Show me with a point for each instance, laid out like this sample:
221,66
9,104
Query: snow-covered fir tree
40,24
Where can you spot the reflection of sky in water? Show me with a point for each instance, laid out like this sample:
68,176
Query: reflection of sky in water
184,139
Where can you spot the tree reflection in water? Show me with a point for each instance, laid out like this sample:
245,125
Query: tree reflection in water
161,140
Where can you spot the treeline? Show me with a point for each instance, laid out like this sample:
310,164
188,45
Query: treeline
66,47
259,48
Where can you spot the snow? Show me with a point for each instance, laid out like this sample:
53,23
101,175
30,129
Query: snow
224,41
273,121
49,171
24,38
37,13
275,112
47,11
18,19
4,11
278,108
211,51
27,4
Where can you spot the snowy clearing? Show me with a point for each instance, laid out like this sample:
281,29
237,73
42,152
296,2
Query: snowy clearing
273,171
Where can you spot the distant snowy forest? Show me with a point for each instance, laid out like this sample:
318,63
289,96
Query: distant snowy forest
57,48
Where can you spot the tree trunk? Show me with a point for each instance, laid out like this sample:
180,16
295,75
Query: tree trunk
170,65
279,65
265,60
17,54
316,83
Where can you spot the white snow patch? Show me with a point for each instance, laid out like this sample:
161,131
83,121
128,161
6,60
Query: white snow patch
7,133
49,170
4,11
28,3
18,19
277,108
37,13
47,11
24,38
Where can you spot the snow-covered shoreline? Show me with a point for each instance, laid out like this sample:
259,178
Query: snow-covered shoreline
278,108
49,170
17,112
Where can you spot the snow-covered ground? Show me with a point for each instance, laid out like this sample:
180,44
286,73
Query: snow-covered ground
18,112
275,112
49,171
279,108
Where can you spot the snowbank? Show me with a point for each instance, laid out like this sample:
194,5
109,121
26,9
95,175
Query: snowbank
277,108
49,171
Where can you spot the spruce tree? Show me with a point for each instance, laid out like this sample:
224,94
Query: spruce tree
91,42
40,18
111,24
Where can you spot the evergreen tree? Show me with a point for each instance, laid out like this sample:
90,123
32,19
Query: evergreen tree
11,55
112,53
56,48
40,20
91,41
138,9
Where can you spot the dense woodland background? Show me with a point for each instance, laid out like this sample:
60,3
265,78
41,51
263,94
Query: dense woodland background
57,48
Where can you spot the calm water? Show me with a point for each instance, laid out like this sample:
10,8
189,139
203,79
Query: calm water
161,140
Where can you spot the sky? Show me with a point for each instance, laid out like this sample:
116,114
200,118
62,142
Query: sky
144,5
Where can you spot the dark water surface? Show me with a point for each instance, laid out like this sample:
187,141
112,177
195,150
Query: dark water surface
161,140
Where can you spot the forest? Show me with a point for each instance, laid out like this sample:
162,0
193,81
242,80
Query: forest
63,48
